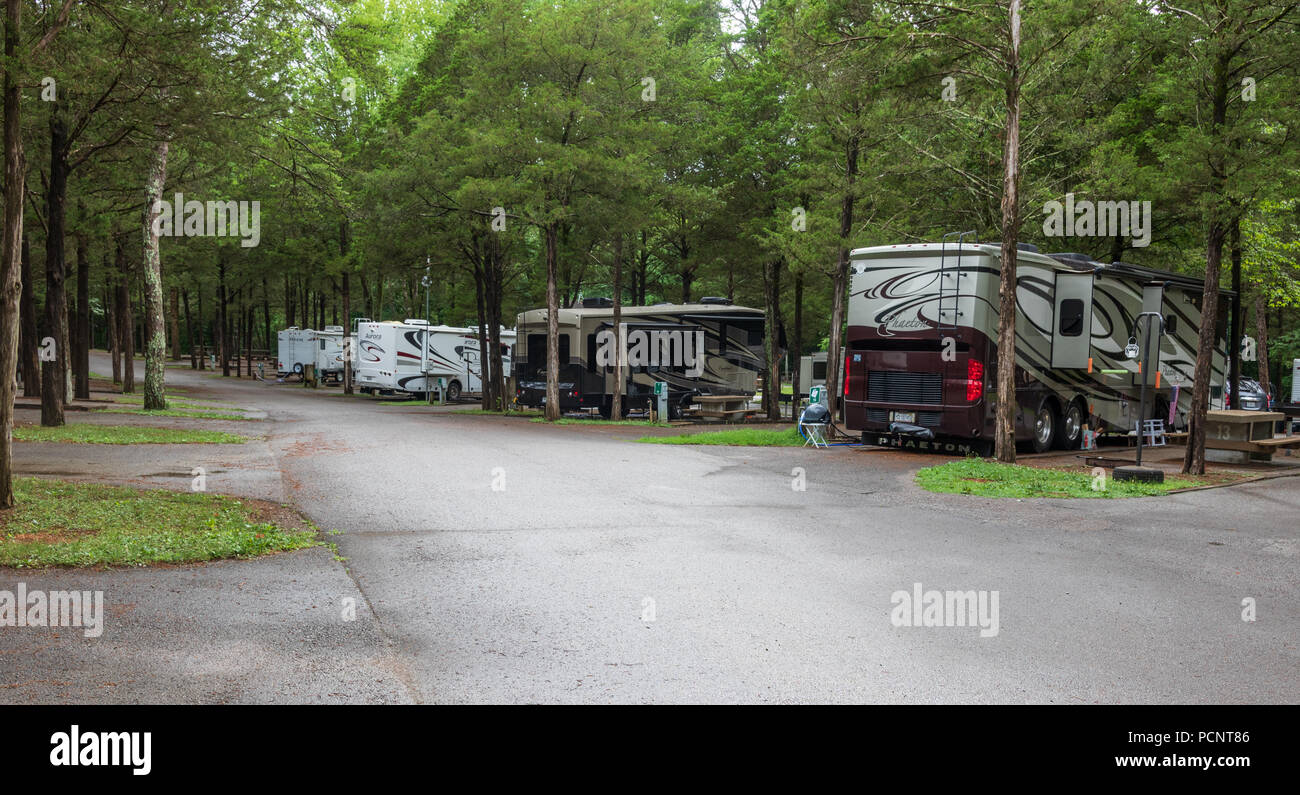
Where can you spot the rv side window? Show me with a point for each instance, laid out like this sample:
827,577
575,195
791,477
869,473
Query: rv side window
322,344
1071,324
722,338
819,371
564,349
591,353
537,351
1171,324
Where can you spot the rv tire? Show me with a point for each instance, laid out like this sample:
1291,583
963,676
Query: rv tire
453,391
1044,426
1070,434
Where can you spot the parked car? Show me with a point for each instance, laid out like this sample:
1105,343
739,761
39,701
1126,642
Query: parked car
1250,396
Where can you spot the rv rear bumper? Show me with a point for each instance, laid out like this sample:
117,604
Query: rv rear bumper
938,444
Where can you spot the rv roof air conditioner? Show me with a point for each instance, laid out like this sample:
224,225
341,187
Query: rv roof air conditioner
716,299
333,328
599,302
411,321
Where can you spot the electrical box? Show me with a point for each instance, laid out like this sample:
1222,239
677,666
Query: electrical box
817,395
661,400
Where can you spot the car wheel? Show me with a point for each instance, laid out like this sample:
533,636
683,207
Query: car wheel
1071,434
1044,427
453,391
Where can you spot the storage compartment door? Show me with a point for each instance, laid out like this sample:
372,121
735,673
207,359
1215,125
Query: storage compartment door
1072,323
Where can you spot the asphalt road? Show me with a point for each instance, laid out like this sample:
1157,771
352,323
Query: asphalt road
499,560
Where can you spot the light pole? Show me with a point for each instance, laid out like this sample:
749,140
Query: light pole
1146,365
424,348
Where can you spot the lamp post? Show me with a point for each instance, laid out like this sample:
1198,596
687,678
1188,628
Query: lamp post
1146,364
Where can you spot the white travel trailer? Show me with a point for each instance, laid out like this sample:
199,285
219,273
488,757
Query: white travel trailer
329,353
295,349
411,356
812,371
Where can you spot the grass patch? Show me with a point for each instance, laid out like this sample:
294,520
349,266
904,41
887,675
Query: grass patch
738,437
181,412
495,413
85,433
992,479
185,403
56,523
410,402
593,421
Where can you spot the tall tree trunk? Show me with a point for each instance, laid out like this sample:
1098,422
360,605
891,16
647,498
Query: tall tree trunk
552,324
289,303
10,247
155,350
840,281
125,321
480,300
1261,348
1194,457
81,349
54,372
772,299
174,322
616,399
223,316
189,329
1005,425
345,244
111,311
203,351
796,344
29,350
1235,332
1217,232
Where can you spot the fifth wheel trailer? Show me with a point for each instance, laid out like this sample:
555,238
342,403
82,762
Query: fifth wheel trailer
410,356
295,349
922,346
707,348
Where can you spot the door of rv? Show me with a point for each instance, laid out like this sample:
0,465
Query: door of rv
1072,322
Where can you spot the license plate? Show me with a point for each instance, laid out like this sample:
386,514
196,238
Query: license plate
902,416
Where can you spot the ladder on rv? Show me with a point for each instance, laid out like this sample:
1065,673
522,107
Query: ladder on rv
950,282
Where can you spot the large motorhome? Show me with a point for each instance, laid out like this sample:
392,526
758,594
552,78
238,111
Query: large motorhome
708,348
922,346
411,356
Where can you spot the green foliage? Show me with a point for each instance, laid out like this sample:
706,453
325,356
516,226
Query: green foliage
80,524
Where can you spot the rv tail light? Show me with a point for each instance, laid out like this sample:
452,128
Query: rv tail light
846,375
974,380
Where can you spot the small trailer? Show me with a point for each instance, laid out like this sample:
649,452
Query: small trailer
812,371
295,349
329,353
410,356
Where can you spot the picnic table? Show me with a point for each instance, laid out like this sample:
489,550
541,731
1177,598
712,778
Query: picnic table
723,406
1246,432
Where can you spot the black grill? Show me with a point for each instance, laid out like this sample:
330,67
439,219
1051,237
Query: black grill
896,386
928,419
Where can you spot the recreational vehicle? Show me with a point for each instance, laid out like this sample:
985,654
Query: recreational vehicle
922,346
329,353
411,356
812,371
295,349
708,348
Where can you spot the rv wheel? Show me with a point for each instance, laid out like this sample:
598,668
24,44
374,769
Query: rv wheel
453,391
1044,427
1072,426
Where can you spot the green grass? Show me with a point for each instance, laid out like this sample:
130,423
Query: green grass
738,437
578,421
514,413
991,479
410,402
189,403
181,412
84,433
57,523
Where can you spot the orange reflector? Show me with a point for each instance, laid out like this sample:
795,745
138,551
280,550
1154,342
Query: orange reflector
1090,364
1157,379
